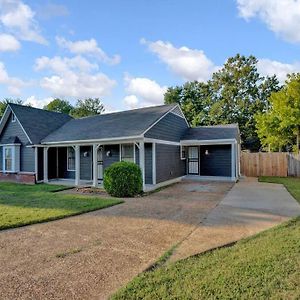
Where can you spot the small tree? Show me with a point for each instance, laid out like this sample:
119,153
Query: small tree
87,107
280,125
59,105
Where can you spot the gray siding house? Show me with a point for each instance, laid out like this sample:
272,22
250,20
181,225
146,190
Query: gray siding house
42,146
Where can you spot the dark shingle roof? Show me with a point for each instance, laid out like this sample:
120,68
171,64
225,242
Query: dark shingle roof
230,131
38,123
113,125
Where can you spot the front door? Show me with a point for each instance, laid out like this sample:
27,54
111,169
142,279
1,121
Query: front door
193,160
100,163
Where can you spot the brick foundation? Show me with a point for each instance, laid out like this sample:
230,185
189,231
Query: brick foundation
28,178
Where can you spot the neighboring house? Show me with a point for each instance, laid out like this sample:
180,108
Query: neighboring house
39,146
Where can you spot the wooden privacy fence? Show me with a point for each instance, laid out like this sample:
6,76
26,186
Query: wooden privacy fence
270,164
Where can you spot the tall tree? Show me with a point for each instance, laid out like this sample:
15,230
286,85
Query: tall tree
87,107
233,95
195,99
59,105
4,103
280,125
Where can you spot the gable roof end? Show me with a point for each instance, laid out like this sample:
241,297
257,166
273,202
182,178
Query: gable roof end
37,123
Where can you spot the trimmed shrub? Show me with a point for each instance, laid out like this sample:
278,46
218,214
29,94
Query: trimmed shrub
123,179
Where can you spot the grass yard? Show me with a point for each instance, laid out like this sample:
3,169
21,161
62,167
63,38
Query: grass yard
292,184
266,266
22,204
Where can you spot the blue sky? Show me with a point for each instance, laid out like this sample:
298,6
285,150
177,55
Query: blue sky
128,52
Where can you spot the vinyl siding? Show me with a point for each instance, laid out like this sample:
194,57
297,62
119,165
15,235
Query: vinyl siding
217,162
86,163
168,162
115,155
170,128
148,164
12,129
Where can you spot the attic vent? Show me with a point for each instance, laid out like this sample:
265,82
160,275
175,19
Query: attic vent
13,119
177,111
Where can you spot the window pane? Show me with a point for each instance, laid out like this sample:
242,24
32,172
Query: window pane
127,152
8,159
71,158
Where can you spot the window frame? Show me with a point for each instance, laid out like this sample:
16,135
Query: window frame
12,148
183,151
127,158
68,167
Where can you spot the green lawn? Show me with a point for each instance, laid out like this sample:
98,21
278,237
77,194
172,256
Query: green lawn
292,184
22,204
266,266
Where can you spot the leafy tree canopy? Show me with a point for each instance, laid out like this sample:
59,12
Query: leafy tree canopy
59,105
4,103
87,107
234,94
279,126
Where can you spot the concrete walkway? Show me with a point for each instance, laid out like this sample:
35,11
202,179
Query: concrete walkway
250,207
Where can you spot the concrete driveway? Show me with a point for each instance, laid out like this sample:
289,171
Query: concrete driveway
92,255
249,207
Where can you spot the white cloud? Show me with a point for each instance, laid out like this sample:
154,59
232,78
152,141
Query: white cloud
73,77
64,64
143,92
280,16
39,103
271,67
13,84
8,43
131,101
88,47
19,19
190,64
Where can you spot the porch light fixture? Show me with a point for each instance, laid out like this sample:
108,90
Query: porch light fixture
206,152
85,154
108,153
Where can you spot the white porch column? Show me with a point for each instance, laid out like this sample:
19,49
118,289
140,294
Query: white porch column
77,165
142,162
95,165
36,169
46,164
233,176
154,163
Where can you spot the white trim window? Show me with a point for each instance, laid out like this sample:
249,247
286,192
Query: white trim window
8,159
182,152
11,158
127,152
71,159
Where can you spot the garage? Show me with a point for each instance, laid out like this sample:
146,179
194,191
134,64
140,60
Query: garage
212,151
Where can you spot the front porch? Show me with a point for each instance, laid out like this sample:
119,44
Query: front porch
84,164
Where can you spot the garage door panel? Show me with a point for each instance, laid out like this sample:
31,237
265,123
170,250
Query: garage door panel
215,160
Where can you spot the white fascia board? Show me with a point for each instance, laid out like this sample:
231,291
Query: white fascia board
208,142
158,120
187,123
117,140
149,140
21,125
